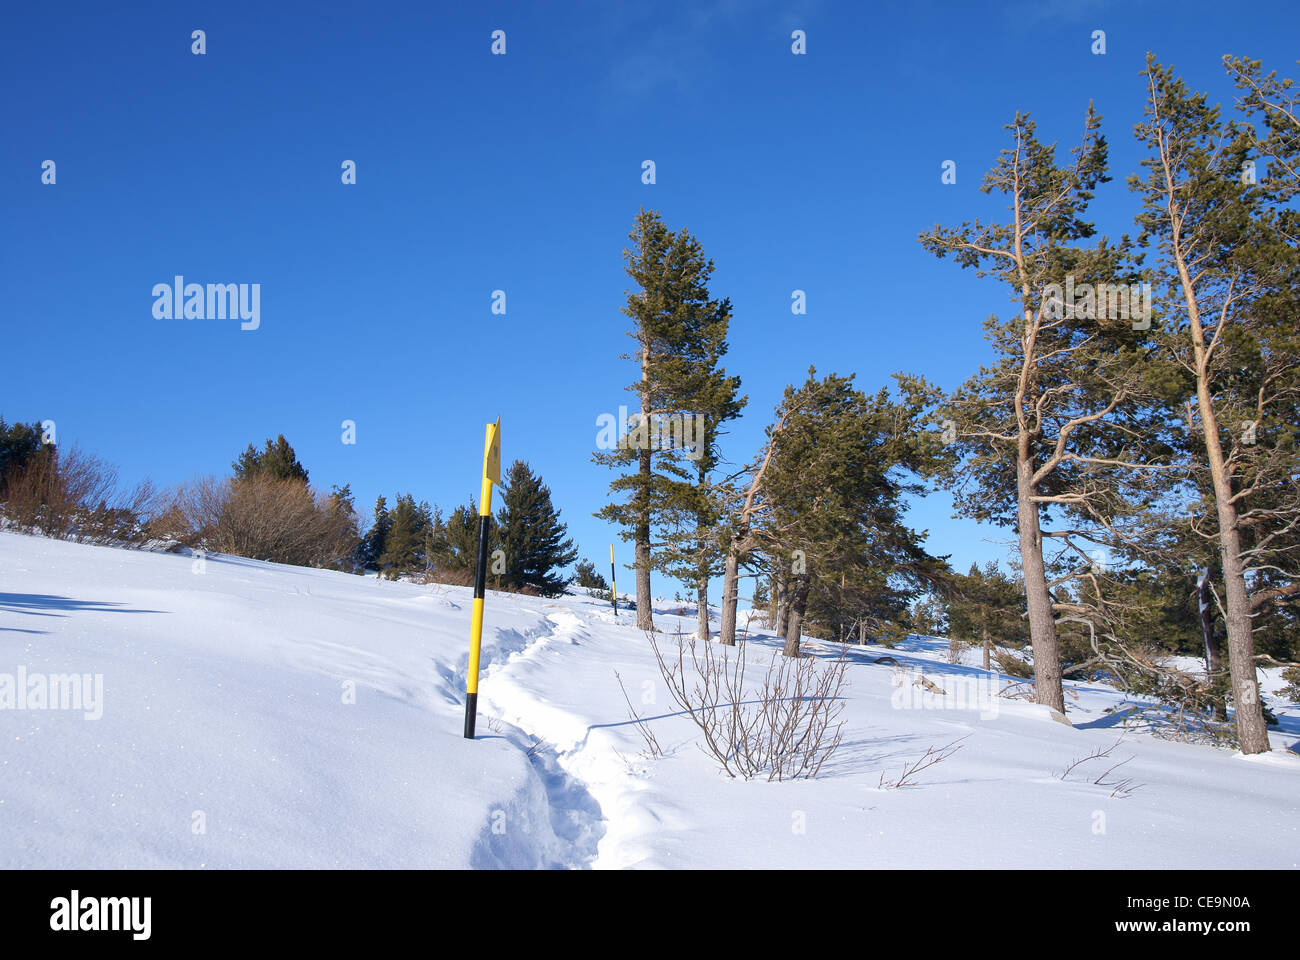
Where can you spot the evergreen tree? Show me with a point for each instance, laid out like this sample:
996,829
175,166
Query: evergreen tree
825,501
690,522
589,577
276,461
1227,249
342,517
677,326
460,546
376,540
530,533
19,443
404,545
985,607
1066,398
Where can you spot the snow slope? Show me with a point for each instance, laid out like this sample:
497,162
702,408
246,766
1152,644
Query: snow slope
262,715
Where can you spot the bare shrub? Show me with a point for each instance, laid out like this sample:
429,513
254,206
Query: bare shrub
785,729
1119,788
282,521
647,735
1183,721
451,576
75,495
1018,690
932,755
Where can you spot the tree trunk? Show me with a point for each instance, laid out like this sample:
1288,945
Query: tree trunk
1042,622
702,555
644,614
702,598
771,602
730,590
1213,652
988,649
798,604
862,633
1252,730
782,606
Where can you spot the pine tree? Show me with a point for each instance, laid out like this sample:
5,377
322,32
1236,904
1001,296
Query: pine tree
676,328
589,577
985,607
825,501
1227,248
529,531
376,540
276,461
460,544
1065,399
836,487
404,545
341,517
690,522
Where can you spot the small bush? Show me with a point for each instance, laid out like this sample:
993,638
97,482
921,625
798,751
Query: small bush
1012,664
76,496
785,729
283,521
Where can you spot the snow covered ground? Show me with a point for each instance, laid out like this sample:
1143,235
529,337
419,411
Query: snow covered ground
259,715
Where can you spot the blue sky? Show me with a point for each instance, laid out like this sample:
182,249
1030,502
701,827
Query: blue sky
521,173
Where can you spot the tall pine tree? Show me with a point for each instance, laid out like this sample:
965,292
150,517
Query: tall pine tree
676,327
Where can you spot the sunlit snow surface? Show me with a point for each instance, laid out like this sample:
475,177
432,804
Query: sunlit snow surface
258,715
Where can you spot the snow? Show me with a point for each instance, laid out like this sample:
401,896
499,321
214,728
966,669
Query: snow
259,715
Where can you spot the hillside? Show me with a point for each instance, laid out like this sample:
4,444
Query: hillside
258,715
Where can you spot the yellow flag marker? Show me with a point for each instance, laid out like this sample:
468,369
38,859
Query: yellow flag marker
491,475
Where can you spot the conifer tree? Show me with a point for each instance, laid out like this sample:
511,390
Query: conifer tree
691,519
461,540
1066,398
824,501
589,577
836,486
676,326
276,461
1225,244
376,540
985,607
529,531
404,545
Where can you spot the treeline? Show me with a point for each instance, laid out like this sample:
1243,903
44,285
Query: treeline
268,510
528,543
1137,429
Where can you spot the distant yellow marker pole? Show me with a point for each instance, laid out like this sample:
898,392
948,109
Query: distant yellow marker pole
491,475
613,583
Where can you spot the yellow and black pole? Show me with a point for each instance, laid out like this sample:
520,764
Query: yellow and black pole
491,475
613,582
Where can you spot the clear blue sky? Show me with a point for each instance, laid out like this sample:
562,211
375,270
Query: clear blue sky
522,173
